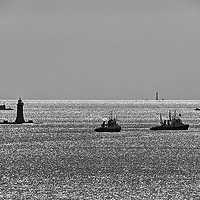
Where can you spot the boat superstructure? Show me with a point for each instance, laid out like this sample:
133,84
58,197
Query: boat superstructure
3,107
173,123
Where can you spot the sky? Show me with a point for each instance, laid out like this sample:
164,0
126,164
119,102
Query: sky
100,49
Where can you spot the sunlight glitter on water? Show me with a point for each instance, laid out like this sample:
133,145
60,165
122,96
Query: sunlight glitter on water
61,157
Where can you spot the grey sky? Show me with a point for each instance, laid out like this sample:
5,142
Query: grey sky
105,49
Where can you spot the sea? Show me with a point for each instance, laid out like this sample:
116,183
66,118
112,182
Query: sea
60,156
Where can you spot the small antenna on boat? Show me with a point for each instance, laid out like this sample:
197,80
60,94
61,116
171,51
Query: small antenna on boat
161,121
170,115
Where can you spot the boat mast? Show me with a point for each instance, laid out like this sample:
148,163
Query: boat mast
174,114
170,116
161,121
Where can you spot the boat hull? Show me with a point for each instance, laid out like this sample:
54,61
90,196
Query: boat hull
6,109
184,127
107,129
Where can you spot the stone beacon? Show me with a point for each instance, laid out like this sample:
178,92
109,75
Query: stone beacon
157,98
20,114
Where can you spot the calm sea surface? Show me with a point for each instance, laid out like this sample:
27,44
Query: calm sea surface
61,157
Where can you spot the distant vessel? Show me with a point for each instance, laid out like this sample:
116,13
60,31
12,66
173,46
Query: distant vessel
110,126
173,123
3,107
197,108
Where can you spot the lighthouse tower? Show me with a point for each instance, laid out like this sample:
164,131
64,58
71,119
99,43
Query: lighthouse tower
156,95
20,116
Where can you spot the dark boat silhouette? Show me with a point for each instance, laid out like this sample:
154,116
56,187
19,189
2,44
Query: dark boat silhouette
173,123
110,126
197,108
3,107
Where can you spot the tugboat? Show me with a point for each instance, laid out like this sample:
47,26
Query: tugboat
3,107
110,126
173,123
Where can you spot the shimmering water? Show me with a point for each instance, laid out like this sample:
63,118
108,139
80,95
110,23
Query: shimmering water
61,157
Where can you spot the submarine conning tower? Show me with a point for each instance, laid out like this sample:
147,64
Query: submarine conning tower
20,115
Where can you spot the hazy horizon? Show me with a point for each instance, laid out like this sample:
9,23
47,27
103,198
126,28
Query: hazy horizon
100,50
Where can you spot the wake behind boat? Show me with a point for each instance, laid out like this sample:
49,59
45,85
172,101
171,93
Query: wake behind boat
110,126
173,123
